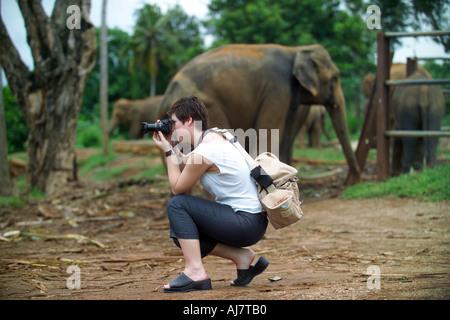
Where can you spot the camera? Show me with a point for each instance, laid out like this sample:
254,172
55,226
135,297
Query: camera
165,126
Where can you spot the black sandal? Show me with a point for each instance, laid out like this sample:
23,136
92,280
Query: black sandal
245,276
183,283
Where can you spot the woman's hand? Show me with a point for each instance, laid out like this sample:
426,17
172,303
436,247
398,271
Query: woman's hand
161,140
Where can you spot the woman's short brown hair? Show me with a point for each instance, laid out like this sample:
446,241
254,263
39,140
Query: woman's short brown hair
190,106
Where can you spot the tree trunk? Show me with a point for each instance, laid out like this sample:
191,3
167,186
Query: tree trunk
5,185
50,97
104,79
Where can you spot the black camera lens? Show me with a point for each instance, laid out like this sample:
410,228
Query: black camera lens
165,126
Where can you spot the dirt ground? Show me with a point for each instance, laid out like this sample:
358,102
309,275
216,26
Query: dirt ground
110,241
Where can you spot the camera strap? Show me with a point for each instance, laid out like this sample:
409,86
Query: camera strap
204,133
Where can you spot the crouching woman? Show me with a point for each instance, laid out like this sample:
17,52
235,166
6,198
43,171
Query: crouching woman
224,227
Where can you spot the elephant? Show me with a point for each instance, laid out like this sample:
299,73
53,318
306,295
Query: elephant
132,113
265,86
314,125
413,107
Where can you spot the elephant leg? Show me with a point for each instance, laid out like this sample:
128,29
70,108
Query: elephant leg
417,163
431,151
294,120
315,134
272,116
431,144
301,137
410,149
397,156
409,119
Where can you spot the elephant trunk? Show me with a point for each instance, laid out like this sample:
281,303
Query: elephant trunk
112,125
338,117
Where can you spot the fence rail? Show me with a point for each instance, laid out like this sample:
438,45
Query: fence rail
416,133
416,82
416,34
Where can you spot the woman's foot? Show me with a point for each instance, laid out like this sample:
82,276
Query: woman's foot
195,274
183,283
244,258
245,276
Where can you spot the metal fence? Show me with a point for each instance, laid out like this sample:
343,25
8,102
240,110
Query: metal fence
376,131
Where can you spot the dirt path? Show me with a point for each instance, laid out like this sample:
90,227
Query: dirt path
111,240
125,252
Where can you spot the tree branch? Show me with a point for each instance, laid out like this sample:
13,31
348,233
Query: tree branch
44,42
16,71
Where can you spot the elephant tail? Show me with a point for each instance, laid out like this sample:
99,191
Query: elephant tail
424,105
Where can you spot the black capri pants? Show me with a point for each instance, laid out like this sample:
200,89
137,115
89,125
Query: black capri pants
211,223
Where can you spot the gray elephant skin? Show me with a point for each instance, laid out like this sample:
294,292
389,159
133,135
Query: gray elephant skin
412,107
131,114
265,87
314,125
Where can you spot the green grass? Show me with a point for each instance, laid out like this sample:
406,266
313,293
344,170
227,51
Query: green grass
97,164
428,185
22,200
95,161
113,174
157,170
325,153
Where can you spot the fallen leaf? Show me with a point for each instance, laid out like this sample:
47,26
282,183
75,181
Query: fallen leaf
49,212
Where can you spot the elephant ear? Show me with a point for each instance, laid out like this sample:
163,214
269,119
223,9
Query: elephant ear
306,71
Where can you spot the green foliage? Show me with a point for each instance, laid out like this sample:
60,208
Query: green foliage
172,38
429,185
340,26
163,40
22,200
421,15
341,29
123,82
16,127
88,135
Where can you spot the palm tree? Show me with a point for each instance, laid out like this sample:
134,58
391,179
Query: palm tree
169,39
144,42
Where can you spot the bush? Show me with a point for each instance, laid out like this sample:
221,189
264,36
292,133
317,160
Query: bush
89,136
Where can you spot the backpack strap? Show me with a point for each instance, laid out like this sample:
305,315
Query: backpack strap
256,171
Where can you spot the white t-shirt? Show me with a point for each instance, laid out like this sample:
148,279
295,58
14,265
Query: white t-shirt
233,185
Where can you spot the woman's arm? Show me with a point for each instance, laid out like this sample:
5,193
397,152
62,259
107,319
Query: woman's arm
181,181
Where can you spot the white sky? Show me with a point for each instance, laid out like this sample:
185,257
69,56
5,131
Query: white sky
120,13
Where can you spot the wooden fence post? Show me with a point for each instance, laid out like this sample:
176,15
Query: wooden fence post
411,66
382,102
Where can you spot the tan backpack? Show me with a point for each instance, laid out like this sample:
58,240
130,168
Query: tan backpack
277,185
